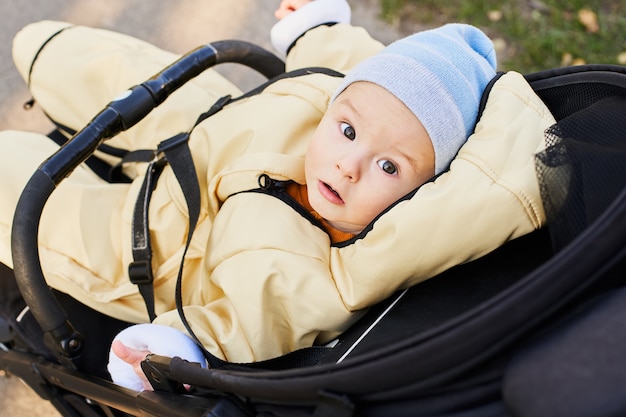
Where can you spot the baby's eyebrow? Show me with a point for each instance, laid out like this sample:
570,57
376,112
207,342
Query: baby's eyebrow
348,103
413,162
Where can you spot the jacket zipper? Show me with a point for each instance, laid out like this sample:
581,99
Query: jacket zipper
278,189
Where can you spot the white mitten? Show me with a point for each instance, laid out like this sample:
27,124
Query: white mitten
312,14
158,339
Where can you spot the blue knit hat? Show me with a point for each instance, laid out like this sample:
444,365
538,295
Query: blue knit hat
440,75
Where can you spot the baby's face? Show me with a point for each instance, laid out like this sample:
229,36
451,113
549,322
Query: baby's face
368,151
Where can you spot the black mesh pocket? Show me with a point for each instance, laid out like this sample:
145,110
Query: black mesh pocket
583,167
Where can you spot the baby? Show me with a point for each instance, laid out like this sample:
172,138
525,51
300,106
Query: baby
396,121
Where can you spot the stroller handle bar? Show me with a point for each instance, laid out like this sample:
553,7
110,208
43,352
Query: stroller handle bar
119,115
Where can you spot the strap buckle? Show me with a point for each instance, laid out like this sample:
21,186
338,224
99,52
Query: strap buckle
140,272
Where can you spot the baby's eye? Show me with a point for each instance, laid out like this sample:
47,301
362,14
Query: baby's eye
348,131
387,166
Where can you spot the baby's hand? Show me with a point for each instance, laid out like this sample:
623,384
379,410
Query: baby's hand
133,344
133,357
289,6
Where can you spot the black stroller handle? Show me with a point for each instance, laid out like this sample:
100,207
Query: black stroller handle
119,115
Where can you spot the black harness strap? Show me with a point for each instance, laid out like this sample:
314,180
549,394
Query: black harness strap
174,151
179,158
140,270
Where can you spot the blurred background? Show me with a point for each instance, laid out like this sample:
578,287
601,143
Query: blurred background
530,35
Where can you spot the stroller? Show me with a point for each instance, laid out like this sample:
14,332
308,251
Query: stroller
531,329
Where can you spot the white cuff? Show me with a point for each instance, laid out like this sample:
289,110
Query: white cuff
158,339
291,27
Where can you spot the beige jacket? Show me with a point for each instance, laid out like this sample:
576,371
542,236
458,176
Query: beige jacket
260,280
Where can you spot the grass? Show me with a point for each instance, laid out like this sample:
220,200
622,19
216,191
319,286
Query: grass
530,35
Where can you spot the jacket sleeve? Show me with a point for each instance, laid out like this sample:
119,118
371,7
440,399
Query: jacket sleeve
339,47
269,290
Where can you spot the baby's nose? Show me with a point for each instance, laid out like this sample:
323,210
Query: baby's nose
350,167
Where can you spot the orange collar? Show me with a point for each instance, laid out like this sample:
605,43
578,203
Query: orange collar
299,193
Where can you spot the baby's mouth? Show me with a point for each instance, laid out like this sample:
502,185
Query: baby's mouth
332,189
330,193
